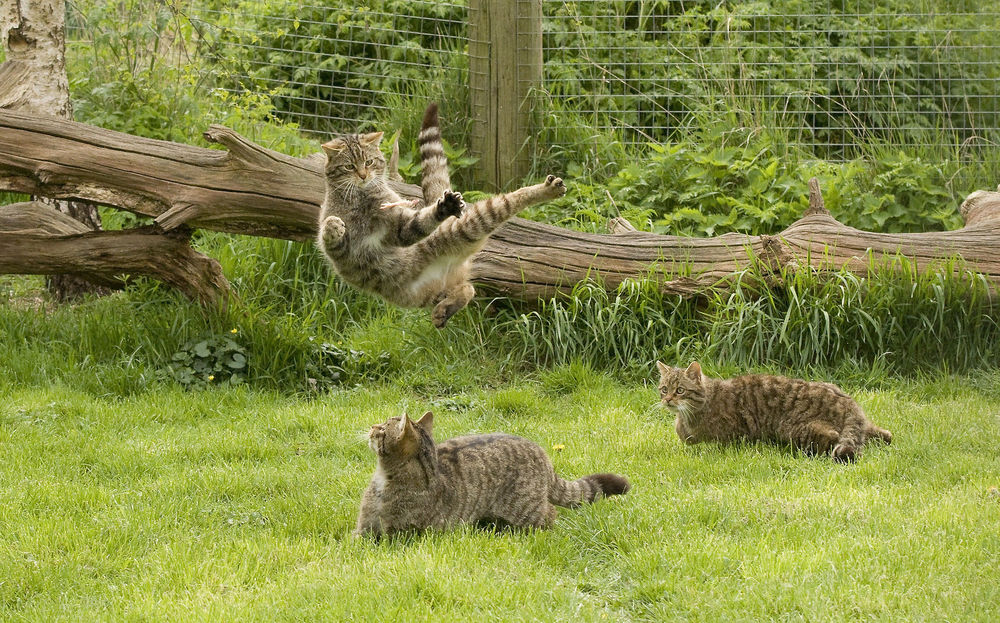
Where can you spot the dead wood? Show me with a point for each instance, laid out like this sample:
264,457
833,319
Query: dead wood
252,190
104,257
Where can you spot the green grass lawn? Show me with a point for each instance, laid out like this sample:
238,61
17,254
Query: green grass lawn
236,505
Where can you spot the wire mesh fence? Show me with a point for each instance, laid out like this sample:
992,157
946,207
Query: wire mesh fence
826,73
332,68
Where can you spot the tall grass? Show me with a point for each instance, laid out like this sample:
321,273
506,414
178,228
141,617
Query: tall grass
891,320
893,317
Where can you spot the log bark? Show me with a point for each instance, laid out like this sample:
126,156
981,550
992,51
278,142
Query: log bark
47,247
255,191
38,239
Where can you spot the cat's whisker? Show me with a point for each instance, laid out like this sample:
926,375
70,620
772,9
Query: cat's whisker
656,406
363,435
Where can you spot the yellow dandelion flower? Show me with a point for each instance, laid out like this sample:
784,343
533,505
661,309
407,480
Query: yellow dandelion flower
232,331
211,377
559,447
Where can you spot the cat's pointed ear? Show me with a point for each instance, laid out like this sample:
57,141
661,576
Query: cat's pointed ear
693,371
408,441
373,138
404,424
334,146
406,429
426,422
664,369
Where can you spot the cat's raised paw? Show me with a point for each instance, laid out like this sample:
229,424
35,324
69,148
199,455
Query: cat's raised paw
450,204
555,186
332,231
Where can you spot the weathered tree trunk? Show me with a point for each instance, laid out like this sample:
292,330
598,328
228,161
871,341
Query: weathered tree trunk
252,190
34,80
37,239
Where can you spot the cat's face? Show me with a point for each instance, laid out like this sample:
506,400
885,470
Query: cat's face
399,437
681,390
354,160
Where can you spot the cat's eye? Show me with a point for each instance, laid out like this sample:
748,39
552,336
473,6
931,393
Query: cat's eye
680,390
370,162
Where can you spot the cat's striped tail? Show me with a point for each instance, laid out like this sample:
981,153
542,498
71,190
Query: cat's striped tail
587,489
433,162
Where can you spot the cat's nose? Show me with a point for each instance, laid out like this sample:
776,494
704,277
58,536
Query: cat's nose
363,174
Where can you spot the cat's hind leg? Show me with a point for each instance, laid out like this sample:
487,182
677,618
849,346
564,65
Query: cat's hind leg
849,443
545,517
453,299
820,438
875,432
531,513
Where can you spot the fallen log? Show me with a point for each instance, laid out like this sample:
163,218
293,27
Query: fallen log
35,238
252,190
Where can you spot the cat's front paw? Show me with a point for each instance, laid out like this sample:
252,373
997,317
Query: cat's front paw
844,453
554,187
450,204
332,231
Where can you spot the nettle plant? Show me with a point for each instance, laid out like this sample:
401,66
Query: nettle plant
212,360
332,365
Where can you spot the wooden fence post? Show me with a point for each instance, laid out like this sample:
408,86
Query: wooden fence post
505,63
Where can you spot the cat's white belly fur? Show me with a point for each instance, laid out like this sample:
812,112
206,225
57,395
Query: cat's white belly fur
435,272
374,239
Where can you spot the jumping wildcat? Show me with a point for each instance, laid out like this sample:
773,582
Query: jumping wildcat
410,257
495,478
816,417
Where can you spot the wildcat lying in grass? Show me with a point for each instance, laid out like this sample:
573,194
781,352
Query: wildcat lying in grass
816,417
495,478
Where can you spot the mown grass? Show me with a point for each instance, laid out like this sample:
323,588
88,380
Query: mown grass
125,496
233,504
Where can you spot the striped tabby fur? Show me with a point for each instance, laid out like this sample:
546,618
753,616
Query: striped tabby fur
410,257
496,478
815,417
435,180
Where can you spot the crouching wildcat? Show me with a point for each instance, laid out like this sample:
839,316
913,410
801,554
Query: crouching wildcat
496,478
816,417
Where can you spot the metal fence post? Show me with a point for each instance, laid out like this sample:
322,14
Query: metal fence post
505,63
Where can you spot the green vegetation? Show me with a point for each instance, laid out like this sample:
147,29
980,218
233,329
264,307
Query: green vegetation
743,143
235,505
166,462
834,73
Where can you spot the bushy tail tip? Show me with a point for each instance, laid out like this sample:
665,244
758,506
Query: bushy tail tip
611,484
430,116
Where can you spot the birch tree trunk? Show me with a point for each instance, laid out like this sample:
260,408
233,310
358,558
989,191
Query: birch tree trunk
33,80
